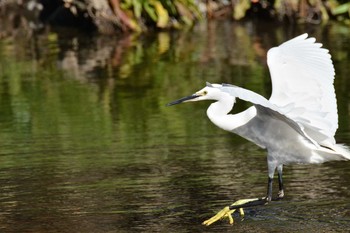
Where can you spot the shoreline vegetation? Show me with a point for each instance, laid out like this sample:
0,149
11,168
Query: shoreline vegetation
119,16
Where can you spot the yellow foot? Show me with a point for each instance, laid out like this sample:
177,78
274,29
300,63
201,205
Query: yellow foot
226,212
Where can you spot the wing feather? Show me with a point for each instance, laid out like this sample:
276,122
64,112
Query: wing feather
264,105
302,77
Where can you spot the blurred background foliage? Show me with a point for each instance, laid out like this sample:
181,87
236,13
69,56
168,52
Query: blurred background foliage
111,16
86,137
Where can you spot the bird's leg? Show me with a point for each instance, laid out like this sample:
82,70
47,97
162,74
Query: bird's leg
239,205
269,189
280,194
229,210
244,203
271,165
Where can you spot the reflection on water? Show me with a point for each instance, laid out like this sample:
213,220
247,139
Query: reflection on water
87,144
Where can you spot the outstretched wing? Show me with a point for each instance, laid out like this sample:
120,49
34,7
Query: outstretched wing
264,106
302,76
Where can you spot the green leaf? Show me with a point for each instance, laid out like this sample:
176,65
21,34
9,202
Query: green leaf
341,9
150,11
163,16
240,9
137,5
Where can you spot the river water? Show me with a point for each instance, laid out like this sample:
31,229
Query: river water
88,145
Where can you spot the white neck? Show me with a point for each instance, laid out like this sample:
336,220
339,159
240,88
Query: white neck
218,114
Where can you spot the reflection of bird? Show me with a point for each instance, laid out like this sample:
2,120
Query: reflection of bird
296,125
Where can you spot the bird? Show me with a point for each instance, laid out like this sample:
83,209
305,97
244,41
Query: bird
296,125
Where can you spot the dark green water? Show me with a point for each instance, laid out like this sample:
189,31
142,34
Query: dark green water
87,144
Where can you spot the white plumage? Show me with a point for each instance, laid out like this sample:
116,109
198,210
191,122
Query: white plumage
298,123
302,76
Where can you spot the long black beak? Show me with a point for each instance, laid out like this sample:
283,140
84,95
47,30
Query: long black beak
179,101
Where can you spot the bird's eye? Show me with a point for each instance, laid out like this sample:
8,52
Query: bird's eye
205,92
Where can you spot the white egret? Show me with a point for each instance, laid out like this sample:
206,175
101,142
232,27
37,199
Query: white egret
296,125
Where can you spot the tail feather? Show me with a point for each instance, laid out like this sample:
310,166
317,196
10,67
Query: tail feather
342,150
331,153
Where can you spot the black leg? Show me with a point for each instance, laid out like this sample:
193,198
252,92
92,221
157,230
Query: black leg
280,183
269,189
245,203
258,201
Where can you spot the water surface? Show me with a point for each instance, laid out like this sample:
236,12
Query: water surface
87,144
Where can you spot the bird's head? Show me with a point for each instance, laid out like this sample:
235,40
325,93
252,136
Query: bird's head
210,92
